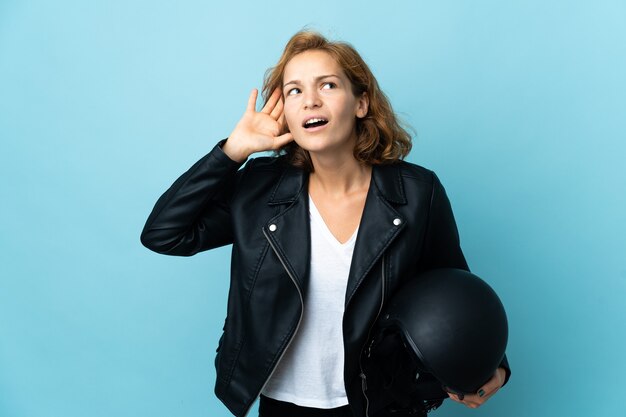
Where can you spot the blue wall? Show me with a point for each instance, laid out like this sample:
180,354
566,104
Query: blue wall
519,106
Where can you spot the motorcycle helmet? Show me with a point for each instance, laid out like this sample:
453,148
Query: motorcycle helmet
443,331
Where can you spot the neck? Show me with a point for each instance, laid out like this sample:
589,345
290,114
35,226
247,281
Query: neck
339,177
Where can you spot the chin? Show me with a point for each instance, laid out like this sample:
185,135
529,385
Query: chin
321,143
309,144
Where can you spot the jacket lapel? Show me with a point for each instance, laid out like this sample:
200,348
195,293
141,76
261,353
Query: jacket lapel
289,230
290,235
380,223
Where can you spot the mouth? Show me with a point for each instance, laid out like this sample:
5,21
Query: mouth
314,122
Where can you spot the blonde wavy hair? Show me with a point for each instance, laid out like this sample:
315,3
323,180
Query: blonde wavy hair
381,138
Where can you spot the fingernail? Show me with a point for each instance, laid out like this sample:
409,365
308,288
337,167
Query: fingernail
481,392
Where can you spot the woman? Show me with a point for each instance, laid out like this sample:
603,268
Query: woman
322,233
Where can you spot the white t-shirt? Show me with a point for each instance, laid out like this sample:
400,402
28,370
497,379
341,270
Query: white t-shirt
310,372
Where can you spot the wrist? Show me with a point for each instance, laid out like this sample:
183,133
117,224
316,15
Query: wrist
234,152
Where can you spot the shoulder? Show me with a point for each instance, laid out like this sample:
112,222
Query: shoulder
401,182
272,176
267,164
265,169
270,180
405,173
415,172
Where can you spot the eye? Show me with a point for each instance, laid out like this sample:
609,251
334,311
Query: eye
293,91
328,86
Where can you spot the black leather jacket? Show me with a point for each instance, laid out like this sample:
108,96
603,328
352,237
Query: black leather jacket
407,227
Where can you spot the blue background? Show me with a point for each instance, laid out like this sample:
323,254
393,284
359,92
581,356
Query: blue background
519,106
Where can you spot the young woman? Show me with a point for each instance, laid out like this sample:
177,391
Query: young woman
322,233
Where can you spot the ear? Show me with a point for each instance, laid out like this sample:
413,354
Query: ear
363,103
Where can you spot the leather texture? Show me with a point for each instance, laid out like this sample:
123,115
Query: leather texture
262,210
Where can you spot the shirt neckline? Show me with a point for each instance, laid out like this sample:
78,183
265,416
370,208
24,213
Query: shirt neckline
318,216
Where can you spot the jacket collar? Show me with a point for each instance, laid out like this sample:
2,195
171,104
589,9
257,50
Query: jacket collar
289,186
380,223
388,181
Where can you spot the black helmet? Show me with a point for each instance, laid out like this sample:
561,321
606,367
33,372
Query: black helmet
445,330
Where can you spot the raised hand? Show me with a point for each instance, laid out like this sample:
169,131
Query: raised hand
258,131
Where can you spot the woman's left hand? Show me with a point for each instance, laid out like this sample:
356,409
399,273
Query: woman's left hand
483,394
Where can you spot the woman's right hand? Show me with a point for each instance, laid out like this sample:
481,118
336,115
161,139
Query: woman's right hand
258,131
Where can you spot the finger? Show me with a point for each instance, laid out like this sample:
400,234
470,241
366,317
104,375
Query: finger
492,385
471,401
485,392
281,121
252,100
476,400
282,140
455,397
278,109
271,102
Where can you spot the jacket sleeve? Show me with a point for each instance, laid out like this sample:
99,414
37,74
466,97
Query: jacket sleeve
193,215
442,248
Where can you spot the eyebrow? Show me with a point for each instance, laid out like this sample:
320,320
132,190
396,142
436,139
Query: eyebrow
321,77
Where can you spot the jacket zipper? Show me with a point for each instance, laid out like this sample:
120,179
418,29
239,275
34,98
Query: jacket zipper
297,326
380,308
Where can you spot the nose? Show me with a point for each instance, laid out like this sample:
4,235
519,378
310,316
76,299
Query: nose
311,99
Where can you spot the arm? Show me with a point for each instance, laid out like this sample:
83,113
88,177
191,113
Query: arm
443,250
194,215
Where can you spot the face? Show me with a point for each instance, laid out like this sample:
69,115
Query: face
320,108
